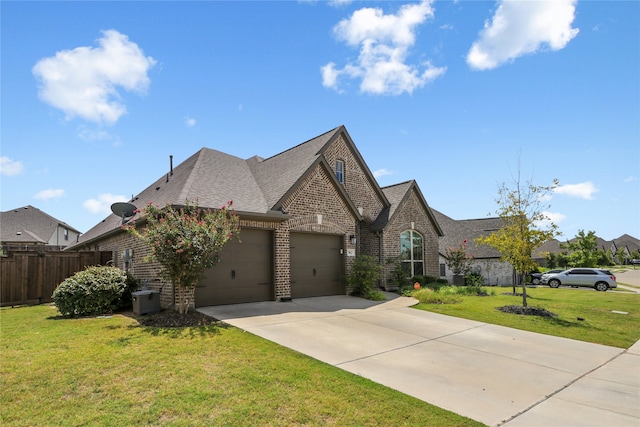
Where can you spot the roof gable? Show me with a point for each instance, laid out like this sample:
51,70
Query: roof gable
362,165
276,175
396,195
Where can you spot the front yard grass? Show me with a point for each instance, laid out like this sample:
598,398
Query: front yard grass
600,323
110,371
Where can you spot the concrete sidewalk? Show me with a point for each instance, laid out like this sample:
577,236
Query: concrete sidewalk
493,374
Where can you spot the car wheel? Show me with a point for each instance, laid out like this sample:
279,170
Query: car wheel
535,281
601,286
554,283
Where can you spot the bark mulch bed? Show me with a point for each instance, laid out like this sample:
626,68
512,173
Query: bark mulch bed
173,319
527,311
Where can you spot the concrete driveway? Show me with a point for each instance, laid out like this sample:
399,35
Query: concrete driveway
493,374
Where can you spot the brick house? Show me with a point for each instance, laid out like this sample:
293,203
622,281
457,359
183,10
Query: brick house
304,215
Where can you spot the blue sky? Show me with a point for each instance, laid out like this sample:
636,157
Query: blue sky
454,94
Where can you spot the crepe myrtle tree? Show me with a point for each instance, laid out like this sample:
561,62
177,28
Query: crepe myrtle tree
457,259
521,206
185,241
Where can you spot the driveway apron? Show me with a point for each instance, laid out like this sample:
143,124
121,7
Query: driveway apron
492,374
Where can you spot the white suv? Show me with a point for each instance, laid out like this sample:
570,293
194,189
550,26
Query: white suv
600,280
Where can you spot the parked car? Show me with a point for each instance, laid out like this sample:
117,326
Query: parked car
535,278
596,278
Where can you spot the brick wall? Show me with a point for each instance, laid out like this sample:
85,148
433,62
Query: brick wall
356,182
494,271
314,206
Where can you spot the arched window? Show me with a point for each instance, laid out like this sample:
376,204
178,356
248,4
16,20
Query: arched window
412,253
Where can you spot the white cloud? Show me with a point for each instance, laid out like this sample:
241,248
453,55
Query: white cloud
190,122
84,81
339,3
631,178
49,194
556,217
88,134
584,190
384,42
552,217
523,27
103,203
382,172
9,167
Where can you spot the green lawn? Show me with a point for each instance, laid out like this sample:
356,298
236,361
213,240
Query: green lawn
601,324
113,372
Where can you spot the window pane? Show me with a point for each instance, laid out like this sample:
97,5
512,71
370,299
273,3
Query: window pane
405,245
418,269
406,269
340,170
417,246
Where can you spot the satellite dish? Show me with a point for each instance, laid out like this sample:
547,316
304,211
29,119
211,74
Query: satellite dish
124,210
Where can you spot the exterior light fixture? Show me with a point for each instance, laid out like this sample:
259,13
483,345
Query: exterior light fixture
352,239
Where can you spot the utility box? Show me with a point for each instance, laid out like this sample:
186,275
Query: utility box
145,302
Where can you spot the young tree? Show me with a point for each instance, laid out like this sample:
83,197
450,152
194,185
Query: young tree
457,260
620,256
185,241
525,226
583,249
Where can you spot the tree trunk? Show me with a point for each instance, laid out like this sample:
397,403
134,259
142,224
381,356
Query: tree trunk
524,289
181,298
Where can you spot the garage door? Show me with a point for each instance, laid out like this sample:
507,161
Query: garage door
244,273
316,265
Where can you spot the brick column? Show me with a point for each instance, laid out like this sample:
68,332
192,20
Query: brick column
282,261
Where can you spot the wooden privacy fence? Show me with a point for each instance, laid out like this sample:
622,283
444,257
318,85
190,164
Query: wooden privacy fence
29,277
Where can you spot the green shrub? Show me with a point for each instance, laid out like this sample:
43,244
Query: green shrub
95,290
474,280
427,296
397,277
430,279
365,272
376,296
435,285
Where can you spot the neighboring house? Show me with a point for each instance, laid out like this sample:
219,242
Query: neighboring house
304,215
486,260
30,228
627,243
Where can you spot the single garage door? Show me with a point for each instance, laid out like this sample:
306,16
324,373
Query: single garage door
317,265
244,273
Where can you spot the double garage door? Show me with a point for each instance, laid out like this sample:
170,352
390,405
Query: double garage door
245,272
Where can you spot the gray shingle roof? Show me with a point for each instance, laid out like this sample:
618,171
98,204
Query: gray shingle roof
29,225
630,242
209,177
212,178
456,232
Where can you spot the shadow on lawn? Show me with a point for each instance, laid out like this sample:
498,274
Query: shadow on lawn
175,325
